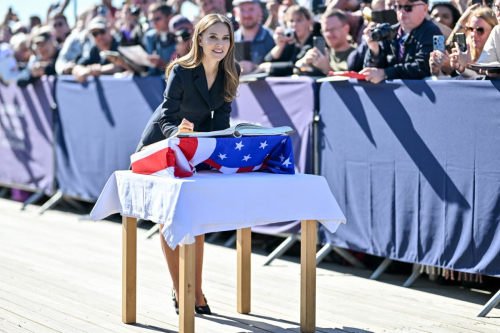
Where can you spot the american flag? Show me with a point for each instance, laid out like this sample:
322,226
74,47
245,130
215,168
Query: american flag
178,157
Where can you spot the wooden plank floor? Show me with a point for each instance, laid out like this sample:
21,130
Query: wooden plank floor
59,274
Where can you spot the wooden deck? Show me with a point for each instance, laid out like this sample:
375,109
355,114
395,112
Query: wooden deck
59,274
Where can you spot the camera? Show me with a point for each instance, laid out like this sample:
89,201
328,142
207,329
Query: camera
289,33
383,32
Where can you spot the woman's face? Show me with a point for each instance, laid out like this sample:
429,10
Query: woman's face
478,31
443,14
301,25
215,41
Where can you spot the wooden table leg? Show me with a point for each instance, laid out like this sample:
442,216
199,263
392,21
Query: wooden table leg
244,250
129,269
308,277
186,288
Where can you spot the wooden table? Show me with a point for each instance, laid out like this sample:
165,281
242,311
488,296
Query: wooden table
187,269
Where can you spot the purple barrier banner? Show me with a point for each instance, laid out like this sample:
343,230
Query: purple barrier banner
26,136
277,102
99,126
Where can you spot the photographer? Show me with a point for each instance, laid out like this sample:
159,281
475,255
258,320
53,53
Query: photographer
292,43
401,51
335,28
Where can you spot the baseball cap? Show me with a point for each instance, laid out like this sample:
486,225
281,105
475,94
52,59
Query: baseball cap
179,21
239,2
98,22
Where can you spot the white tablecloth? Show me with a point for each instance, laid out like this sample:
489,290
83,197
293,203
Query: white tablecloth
210,201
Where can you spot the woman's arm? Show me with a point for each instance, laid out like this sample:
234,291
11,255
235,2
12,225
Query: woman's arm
172,98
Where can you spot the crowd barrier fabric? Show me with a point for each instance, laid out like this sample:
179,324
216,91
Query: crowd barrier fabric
277,102
414,166
99,126
27,136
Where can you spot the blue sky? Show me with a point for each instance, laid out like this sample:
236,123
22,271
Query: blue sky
26,8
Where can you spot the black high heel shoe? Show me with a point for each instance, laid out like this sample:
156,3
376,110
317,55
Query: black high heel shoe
176,305
204,310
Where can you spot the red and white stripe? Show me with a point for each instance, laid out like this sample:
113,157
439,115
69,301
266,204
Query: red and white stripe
175,157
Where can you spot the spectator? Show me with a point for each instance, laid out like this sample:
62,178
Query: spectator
183,42
406,56
215,7
335,27
211,7
130,32
249,15
43,63
281,59
292,40
77,45
479,27
61,28
159,42
94,64
182,29
22,52
445,13
354,17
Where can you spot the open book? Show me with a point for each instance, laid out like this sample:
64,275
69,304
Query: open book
243,129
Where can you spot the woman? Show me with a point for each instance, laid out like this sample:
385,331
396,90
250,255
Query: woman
479,27
289,49
130,32
200,88
445,13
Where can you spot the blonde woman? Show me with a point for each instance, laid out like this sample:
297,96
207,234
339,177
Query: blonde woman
479,27
200,88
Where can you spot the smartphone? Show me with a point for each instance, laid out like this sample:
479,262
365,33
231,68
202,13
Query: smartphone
460,39
319,43
438,43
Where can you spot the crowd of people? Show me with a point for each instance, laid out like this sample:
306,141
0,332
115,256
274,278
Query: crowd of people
278,37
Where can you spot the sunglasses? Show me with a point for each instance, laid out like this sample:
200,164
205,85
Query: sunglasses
98,32
406,8
57,25
479,31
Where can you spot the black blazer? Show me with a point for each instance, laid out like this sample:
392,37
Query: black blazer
187,96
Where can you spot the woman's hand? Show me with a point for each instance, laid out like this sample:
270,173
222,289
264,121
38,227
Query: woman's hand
186,126
460,60
372,45
465,16
440,61
280,39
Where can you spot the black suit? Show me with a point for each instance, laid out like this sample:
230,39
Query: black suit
187,96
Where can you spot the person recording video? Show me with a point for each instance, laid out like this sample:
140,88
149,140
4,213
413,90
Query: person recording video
401,51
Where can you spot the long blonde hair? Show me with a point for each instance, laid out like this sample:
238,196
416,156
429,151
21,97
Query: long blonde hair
195,56
489,17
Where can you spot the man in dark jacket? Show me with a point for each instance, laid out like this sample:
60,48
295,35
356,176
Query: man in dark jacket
406,56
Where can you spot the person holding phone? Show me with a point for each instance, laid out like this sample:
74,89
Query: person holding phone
479,27
404,55
292,42
333,57
198,96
